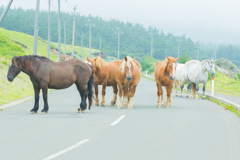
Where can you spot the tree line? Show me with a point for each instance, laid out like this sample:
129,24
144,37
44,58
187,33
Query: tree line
135,40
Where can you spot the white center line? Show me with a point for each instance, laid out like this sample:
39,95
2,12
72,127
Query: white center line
118,120
67,149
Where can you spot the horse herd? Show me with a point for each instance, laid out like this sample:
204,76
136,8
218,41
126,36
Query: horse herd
123,75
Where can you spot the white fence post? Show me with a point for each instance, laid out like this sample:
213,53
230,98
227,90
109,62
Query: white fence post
212,87
146,73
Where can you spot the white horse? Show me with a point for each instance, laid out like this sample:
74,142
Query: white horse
182,76
197,73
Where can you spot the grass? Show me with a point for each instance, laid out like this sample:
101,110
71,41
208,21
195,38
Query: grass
21,87
227,107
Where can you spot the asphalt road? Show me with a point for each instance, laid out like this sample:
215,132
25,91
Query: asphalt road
189,130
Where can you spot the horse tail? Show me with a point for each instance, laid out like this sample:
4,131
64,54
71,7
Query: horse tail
90,90
178,83
193,88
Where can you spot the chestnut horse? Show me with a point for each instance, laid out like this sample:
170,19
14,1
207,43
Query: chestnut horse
165,72
127,77
63,57
104,74
45,74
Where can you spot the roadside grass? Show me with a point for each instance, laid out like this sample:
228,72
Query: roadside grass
21,87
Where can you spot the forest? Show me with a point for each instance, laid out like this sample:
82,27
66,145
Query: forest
135,39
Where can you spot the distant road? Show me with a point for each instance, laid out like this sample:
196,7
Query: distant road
189,130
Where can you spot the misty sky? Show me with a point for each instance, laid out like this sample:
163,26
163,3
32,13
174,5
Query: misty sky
205,20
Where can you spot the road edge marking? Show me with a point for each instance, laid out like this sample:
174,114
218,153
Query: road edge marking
118,120
67,149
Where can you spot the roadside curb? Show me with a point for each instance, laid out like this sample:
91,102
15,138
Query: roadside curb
225,101
14,103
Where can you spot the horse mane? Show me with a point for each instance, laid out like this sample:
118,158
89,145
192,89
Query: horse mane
187,64
204,61
165,62
25,61
129,61
99,63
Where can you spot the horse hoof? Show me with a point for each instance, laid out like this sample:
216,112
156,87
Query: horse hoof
176,95
119,107
130,107
112,103
44,112
159,106
187,96
181,96
125,105
33,112
203,98
96,104
102,104
81,111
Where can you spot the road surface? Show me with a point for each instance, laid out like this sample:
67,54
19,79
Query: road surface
189,130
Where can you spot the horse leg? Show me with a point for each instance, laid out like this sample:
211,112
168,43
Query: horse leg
96,95
115,90
120,94
131,96
159,93
203,96
181,95
190,88
125,96
188,91
197,88
176,87
83,93
104,85
46,107
169,92
36,104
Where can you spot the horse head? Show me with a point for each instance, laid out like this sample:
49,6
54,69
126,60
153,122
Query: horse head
14,69
127,67
96,63
171,67
211,68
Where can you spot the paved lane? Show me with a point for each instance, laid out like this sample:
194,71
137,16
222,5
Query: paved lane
189,129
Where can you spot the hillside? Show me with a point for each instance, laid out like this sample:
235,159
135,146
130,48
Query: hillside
17,44
135,40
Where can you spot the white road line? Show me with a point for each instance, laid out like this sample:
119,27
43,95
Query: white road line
67,149
118,120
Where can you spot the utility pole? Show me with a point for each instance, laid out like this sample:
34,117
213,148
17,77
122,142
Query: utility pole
65,41
81,45
119,32
90,25
75,7
100,48
151,32
5,11
59,32
49,1
36,28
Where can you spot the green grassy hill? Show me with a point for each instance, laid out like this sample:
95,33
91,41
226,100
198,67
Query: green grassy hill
18,44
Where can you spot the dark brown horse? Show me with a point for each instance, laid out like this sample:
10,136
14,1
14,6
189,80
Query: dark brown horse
45,74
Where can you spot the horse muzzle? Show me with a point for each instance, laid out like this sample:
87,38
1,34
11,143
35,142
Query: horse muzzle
172,78
10,78
213,75
129,78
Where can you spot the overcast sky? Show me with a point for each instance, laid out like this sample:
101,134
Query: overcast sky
205,20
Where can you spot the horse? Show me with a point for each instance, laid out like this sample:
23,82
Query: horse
63,57
197,73
104,74
127,77
182,77
45,74
165,72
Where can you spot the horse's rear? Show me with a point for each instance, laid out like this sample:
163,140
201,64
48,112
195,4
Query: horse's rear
127,77
165,73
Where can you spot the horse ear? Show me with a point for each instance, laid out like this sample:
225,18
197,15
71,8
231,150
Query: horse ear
134,59
177,59
168,58
125,58
88,59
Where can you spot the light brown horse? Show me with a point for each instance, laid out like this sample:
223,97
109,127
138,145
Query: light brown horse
127,77
165,72
63,57
104,74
